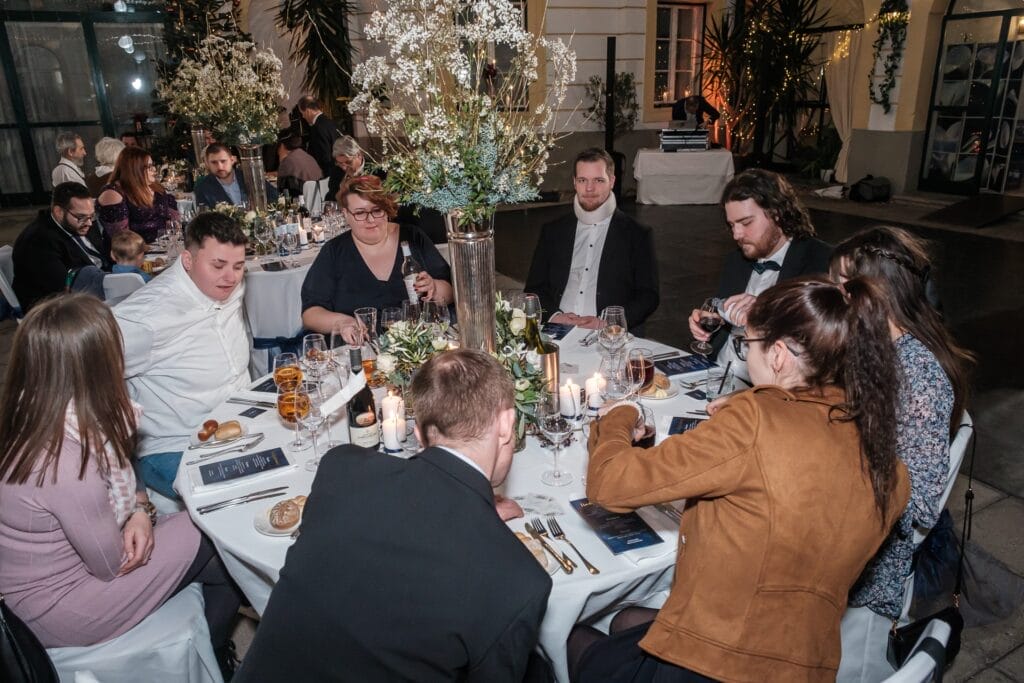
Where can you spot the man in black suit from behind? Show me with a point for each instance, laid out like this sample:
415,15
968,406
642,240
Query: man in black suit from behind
322,133
776,242
404,571
597,256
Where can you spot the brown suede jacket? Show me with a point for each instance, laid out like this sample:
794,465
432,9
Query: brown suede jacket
781,520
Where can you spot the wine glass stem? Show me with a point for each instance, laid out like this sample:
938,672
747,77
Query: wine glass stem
556,473
298,437
316,446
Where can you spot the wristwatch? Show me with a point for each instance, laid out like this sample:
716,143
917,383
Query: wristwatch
149,509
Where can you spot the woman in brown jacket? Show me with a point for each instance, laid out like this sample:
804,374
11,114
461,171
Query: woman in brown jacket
791,487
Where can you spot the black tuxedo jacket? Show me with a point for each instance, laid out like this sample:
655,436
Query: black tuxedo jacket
403,571
44,253
806,256
209,192
627,275
322,135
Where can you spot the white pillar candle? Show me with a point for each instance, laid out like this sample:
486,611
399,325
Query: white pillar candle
569,399
595,386
391,429
393,406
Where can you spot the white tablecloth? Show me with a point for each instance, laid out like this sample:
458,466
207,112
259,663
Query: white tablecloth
681,177
254,560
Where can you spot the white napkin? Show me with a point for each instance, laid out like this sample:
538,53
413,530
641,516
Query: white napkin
355,383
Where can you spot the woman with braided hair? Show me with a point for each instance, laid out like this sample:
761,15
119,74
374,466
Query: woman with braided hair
933,387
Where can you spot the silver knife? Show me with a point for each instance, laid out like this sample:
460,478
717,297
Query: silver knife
277,490
240,448
241,502
666,355
218,444
251,402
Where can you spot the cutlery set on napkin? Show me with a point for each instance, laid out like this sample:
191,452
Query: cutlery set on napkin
241,500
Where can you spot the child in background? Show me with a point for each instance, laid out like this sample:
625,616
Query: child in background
128,250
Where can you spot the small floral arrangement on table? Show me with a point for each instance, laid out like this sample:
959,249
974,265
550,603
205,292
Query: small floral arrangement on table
250,219
521,362
405,347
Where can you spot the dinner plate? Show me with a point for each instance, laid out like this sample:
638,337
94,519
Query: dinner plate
261,522
671,392
213,443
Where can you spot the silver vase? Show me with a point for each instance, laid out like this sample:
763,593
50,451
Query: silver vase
472,253
199,146
255,179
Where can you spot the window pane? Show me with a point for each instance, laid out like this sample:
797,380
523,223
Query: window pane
661,55
684,54
44,139
685,23
683,83
130,77
13,173
664,22
6,108
661,93
53,69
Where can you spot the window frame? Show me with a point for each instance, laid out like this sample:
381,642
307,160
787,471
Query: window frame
662,111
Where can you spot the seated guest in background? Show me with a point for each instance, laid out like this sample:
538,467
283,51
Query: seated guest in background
363,267
221,183
107,151
697,107
83,558
134,200
296,166
72,158
458,596
349,162
186,343
62,245
128,250
776,242
130,138
597,257
772,480
322,133
933,387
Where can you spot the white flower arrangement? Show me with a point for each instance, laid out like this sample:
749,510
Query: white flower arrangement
233,87
522,364
406,346
453,138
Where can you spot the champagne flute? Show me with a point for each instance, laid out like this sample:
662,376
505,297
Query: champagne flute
292,404
309,401
710,320
557,428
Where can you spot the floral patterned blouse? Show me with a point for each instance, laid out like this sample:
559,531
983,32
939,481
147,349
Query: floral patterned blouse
922,443
145,220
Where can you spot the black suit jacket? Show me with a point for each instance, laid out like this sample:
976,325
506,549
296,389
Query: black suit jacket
627,275
322,135
209,192
44,253
403,572
806,256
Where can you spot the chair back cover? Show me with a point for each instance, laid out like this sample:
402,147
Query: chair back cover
117,286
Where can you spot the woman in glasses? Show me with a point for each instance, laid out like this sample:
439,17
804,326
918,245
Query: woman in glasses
134,200
934,379
791,487
363,267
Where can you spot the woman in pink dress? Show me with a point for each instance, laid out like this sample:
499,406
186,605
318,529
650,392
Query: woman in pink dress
83,557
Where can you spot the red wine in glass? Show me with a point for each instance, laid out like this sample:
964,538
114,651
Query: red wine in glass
641,367
647,440
709,321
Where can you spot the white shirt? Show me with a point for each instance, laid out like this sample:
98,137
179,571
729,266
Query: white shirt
66,171
756,285
580,295
466,460
184,354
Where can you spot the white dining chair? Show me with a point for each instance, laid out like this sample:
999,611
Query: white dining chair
171,645
314,194
927,660
7,280
118,286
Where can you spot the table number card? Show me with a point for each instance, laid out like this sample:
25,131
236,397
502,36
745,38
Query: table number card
619,531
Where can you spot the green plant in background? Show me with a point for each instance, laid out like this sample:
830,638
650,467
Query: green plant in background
626,105
319,36
893,17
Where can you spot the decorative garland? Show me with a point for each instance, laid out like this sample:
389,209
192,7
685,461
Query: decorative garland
893,17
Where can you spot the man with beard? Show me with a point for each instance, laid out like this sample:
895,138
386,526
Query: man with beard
72,158
596,258
776,242
62,248
222,184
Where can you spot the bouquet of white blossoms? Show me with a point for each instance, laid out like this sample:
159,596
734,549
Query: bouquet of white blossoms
406,346
522,363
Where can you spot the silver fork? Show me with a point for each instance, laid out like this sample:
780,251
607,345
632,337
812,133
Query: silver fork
556,531
539,528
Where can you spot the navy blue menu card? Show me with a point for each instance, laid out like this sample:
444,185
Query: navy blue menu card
619,531
243,466
684,364
556,330
267,386
682,424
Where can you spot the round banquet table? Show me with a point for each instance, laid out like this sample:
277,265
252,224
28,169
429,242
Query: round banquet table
635,577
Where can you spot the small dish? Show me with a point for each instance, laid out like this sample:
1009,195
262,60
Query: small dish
212,442
261,522
671,392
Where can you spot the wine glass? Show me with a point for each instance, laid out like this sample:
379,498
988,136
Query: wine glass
290,242
557,428
641,368
710,320
309,401
389,316
314,353
411,311
618,376
287,371
292,405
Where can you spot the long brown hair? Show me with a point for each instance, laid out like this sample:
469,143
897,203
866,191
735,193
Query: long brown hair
840,335
776,197
67,348
130,175
898,262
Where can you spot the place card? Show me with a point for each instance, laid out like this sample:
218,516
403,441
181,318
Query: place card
557,331
253,412
697,394
684,365
619,531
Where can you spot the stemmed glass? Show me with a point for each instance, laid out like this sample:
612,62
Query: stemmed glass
710,320
390,315
557,428
614,334
641,368
308,402
288,377
339,362
318,359
290,242
411,311
619,379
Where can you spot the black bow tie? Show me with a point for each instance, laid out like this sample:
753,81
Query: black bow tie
761,266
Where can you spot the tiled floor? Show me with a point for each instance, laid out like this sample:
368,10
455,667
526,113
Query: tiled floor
982,287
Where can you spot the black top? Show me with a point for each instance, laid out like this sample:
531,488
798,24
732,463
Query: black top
43,254
340,281
322,135
403,572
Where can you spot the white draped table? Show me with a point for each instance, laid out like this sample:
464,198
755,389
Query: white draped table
255,560
681,177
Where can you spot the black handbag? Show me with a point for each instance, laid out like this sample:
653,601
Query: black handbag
23,658
903,639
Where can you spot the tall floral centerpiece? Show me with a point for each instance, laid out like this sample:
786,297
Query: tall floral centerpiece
522,364
235,89
457,135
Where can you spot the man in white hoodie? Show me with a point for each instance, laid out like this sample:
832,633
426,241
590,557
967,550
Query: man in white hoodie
597,257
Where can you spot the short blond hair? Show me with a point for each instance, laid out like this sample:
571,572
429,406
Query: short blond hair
127,245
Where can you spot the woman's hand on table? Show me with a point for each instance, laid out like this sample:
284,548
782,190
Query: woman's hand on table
138,541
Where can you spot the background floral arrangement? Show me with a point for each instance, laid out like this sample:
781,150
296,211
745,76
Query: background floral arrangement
232,87
522,364
406,346
456,135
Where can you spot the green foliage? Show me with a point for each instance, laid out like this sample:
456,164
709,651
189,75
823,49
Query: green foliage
626,105
893,17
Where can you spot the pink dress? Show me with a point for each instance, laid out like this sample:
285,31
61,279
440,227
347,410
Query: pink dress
61,550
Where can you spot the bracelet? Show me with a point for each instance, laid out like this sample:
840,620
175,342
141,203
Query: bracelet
149,509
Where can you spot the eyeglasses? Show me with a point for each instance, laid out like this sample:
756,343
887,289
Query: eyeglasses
741,345
362,215
83,218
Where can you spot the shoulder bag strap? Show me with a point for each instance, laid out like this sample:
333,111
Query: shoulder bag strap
968,514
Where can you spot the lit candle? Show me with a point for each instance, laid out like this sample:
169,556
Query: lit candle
391,429
393,406
569,399
595,386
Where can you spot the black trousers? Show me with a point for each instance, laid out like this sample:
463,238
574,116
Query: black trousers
619,659
220,593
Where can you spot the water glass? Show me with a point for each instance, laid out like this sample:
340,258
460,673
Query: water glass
389,316
367,320
719,382
558,429
308,395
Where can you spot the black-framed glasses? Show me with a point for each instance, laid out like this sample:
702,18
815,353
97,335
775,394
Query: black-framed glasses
741,345
362,215
83,218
